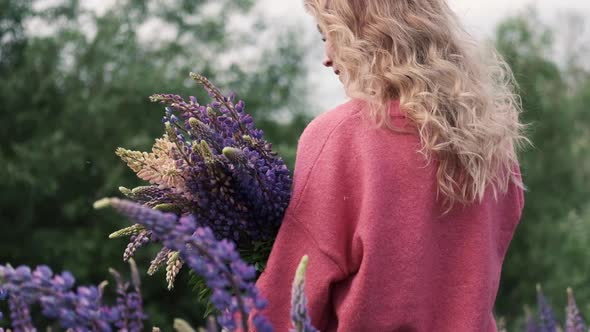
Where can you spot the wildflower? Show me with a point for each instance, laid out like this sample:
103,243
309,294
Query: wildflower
80,309
547,322
231,280
173,266
3,296
157,167
20,314
129,303
574,321
153,195
139,240
531,324
299,315
159,260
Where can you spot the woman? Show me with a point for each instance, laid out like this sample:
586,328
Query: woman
406,197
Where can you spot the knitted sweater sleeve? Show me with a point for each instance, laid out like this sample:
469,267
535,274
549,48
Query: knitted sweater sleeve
312,226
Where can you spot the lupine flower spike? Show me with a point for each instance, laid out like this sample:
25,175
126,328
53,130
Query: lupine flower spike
574,321
3,296
547,322
79,310
180,325
299,316
129,301
20,314
230,279
531,324
158,261
173,266
502,325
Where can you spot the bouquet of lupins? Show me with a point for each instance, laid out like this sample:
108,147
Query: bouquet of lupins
214,165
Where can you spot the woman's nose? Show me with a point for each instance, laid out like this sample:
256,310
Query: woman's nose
327,62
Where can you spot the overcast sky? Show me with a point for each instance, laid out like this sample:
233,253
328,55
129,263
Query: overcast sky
479,17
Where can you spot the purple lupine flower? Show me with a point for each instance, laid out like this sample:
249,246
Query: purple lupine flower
136,241
158,261
89,310
218,262
299,316
574,321
152,195
212,324
530,321
17,285
3,296
547,322
20,314
201,131
129,302
79,310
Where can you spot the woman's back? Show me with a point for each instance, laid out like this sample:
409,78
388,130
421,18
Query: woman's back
405,198
382,256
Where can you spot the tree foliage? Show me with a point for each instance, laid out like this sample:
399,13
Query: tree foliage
551,242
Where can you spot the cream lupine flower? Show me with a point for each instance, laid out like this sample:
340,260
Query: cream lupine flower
172,268
157,167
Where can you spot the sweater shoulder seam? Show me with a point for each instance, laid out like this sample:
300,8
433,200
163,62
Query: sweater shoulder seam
317,245
317,157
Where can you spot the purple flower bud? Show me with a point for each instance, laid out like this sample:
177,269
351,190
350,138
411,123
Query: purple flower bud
137,241
547,322
20,314
240,106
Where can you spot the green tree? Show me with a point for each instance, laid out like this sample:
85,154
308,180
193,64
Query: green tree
551,242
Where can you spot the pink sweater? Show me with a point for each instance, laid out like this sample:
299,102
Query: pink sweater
381,257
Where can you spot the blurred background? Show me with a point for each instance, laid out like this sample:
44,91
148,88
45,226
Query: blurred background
75,77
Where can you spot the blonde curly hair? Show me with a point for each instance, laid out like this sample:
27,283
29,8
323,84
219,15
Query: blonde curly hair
459,93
